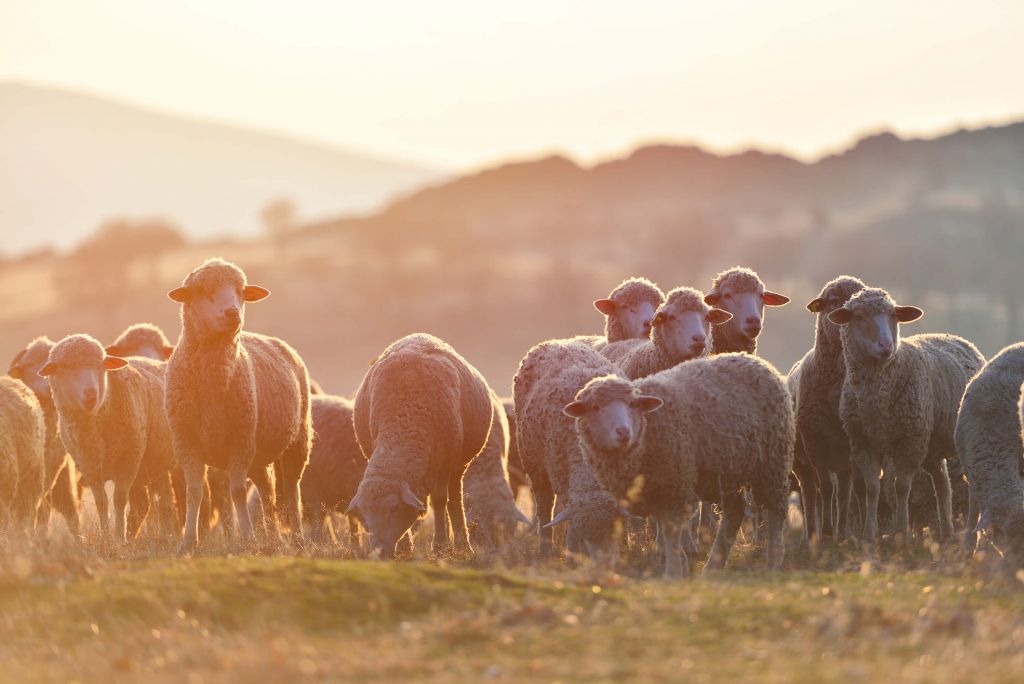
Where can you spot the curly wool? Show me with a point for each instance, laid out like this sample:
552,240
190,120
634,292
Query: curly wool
905,409
547,379
989,443
22,440
727,337
630,292
141,339
638,358
421,414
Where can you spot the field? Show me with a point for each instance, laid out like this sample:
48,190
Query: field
913,615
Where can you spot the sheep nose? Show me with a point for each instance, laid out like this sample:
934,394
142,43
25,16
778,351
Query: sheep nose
89,398
232,314
700,338
885,347
623,433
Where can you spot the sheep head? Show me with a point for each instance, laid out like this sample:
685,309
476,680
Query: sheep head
213,299
77,370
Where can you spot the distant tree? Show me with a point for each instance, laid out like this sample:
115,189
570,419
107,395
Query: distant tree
280,218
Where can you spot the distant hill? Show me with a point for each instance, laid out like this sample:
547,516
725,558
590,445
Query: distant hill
69,161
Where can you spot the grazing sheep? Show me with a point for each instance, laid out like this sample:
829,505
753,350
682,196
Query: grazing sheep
60,473
491,511
899,401
822,447
142,339
422,413
988,440
516,472
679,332
22,470
547,379
706,429
336,464
741,292
235,400
113,424
629,310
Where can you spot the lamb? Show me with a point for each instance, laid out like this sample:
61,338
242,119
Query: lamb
235,400
336,464
113,424
629,310
741,292
988,440
899,401
142,339
822,447
491,511
679,332
60,473
422,414
22,469
685,434
547,379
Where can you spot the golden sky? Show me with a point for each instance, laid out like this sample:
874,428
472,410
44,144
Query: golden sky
461,83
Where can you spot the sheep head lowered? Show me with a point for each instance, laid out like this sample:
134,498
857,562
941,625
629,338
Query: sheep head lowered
388,508
741,292
77,370
213,299
870,323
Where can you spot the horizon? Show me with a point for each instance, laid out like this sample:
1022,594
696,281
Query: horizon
457,87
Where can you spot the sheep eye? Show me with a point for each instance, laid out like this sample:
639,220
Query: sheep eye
727,295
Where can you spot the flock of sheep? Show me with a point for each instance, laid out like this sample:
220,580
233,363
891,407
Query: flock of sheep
666,424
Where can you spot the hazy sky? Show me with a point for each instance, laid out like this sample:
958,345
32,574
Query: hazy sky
463,83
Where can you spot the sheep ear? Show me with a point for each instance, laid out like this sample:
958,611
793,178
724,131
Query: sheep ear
840,316
605,306
719,316
906,314
180,294
648,404
712,298
112,350
254,293
575,409
112,363
561,517
14,362
775,299
816,305
47,370
658,319
166,351
411,500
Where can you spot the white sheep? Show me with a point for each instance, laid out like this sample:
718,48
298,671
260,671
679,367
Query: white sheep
422,414
988,441
113,425
235,400
142,339
679,332
491,511
899,401
22,470
547,379
706,429
629,310
741,292
60,473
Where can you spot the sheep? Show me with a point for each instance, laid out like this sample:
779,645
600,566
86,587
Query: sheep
60,473
491,511
422,414
704,429
113,424
741,292
22,469
235,400
629,310
336,463
516,472
547,379
822,447
988,440
679,332
899,401
142,339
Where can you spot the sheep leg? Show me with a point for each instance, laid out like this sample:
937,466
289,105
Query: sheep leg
733,512
138,509
63,499
845,491
970,540
293,463
670,530
194,472
903,483
439,503
457,512
805,479
828,517
178,488
353,531
167,512
545,499
776,548
237,481
99,493
265,485
121,490
871,473
937,470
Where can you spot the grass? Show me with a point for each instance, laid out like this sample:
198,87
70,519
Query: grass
908,615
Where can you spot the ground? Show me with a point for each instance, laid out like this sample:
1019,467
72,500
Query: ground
912,618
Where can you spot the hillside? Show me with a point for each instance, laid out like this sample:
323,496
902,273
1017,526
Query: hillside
69,161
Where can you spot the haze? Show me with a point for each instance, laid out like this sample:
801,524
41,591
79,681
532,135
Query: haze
460,84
